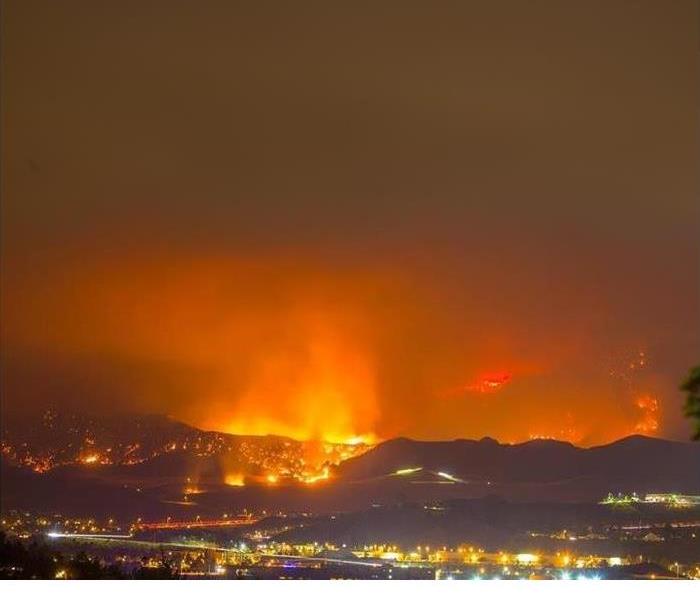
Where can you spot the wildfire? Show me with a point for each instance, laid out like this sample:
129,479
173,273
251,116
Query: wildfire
648,421
368,439
275,346
235,480
564,431
325,474
488,383
323,390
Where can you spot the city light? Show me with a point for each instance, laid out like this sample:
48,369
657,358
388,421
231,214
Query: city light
257,546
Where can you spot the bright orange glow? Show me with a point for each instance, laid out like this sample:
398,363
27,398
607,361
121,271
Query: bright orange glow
369,439
90,459
320,477
235,479
272,479
565,431
648,420
489,382
282,357
263,345
325,389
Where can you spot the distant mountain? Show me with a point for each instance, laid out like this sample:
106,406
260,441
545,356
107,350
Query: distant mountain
647,463
57,439
159,446
156,465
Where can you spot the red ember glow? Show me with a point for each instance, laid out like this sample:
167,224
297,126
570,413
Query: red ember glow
490,382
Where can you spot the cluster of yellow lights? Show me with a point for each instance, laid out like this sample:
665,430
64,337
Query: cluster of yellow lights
527,558
90,459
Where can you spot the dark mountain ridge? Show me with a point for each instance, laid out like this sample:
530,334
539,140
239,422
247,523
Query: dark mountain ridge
178,467
636,459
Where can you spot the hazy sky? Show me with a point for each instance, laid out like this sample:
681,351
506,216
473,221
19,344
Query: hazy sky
437,219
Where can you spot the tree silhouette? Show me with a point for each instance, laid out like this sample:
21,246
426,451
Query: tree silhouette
35,560
691,386
17,561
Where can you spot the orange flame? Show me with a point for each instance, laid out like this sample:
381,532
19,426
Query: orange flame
235,480
323,389
488,383
648,421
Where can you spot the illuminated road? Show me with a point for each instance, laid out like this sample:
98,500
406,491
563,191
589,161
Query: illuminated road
659,526
339,561
90,536
203,546
239,522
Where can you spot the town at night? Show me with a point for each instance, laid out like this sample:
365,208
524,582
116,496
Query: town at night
393,292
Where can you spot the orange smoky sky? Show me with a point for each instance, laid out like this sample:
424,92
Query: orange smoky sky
346,224
269,345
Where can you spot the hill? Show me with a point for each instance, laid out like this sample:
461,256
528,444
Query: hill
158,466
635,462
